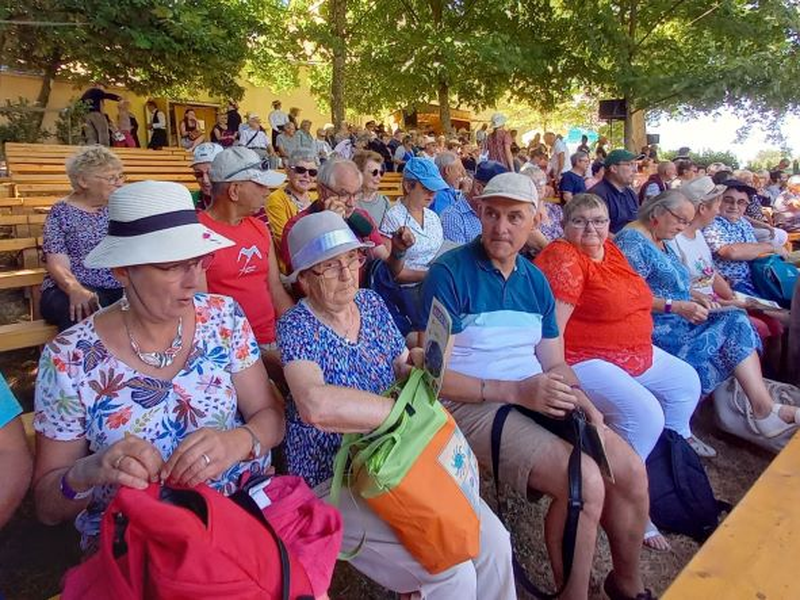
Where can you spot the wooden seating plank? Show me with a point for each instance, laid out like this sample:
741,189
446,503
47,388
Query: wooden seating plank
18,244
754,552
23,278
26,335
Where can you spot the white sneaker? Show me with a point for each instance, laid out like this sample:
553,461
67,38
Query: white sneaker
701,448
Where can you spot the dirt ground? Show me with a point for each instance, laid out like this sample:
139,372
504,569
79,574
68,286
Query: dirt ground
33,557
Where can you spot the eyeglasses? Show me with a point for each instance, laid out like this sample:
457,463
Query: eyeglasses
112,179
332,269
734,202
581,223
376,172
678,218
354,196
304,170
262,165
183,267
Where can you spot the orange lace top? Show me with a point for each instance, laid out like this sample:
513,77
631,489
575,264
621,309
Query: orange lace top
612,319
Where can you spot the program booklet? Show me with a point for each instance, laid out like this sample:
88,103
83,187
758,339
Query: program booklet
437,336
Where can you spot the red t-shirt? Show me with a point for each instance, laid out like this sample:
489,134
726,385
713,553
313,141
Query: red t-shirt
612,319
242,272
374,237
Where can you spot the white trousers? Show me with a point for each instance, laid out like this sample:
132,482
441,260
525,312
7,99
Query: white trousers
385,560
638,408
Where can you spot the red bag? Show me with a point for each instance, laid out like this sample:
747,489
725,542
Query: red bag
186,544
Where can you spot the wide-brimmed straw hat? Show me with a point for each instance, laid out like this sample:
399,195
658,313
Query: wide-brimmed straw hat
319,237
152,222
701,189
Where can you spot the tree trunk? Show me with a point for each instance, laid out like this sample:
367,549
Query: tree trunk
635,132
444,107
49,75
338,15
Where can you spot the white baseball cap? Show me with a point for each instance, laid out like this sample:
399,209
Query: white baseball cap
242,164
206,153
512,186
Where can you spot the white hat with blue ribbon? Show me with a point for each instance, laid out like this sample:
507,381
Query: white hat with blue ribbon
318,237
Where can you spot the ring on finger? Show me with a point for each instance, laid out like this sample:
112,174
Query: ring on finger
119,460
207,460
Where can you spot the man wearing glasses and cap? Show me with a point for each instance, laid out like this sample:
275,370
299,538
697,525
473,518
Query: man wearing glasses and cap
615,188
248,270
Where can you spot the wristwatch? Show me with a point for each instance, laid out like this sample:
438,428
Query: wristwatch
71,494
668,305
255,449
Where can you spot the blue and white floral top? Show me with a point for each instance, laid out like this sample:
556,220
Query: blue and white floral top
366,365
84,392
723,232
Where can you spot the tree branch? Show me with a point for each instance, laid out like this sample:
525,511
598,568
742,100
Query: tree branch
658,22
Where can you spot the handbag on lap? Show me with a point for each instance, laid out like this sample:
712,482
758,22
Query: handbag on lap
393,469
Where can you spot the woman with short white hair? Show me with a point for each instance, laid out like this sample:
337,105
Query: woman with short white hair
74,226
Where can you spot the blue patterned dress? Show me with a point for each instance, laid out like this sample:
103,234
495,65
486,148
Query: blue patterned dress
364,365
714,347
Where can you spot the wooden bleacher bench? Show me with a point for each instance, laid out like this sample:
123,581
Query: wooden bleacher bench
25,335
10,280
19,244
754,552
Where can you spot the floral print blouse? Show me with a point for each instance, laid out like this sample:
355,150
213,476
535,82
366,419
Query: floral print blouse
84,392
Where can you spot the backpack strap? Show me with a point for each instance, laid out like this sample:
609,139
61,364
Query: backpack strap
244,501
574,506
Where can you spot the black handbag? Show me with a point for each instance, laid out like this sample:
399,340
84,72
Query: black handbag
573,429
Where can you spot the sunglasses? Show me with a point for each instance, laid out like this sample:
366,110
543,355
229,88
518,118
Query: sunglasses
262,165
304,170
376,172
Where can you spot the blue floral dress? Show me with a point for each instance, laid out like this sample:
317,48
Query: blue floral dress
364,365
84,392
714,347
723,232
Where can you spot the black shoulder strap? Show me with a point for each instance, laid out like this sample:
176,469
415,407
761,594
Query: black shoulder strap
243,500
574,507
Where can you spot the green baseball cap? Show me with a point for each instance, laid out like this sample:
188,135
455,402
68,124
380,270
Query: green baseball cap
619,156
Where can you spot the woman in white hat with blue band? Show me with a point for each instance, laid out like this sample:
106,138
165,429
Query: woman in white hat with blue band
166,384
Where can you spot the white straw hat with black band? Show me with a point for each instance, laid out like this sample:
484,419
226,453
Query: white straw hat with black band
152,222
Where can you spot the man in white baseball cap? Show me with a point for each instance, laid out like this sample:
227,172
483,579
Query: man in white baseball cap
507,349
248,270
202,157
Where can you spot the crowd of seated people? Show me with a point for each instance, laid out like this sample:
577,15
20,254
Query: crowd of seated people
603,304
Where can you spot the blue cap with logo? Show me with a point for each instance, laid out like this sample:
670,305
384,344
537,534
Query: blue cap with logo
488,169
426,172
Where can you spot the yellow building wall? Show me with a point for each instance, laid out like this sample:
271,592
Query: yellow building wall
256,100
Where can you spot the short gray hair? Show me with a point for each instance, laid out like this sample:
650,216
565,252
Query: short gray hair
89,160
658,205
584,201
328,170
302,155
444,160
577,156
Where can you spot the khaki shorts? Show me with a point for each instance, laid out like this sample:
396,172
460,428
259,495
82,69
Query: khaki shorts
522,442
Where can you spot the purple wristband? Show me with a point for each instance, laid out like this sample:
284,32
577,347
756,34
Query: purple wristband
69,493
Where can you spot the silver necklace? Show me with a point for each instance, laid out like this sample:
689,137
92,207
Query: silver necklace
159,360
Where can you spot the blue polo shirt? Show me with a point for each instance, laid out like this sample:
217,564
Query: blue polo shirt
572,182
445,198
622,204
497,322
9,407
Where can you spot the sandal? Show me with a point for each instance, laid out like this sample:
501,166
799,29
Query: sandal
701,448
611,590
772,425
651,533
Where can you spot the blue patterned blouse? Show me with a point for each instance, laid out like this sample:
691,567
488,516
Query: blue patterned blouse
364,365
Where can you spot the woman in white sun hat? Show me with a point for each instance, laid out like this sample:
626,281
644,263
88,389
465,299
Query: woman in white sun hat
165,384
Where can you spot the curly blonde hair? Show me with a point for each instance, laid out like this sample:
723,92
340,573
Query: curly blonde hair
90,160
